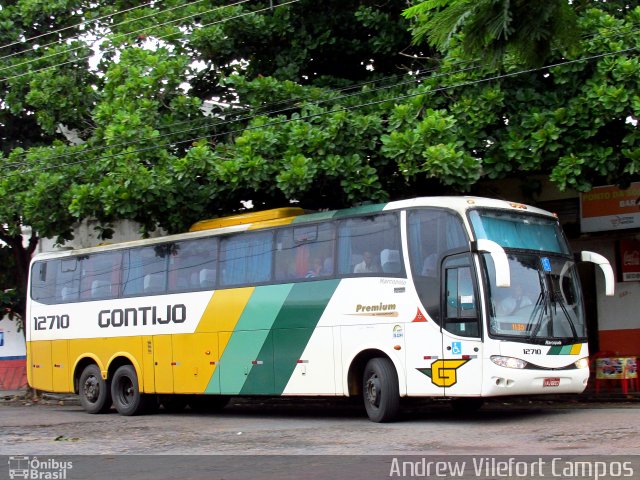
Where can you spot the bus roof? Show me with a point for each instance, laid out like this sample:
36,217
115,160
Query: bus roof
247,218
295,215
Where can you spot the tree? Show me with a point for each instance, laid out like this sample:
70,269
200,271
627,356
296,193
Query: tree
144,149
493,28
325,104
575,120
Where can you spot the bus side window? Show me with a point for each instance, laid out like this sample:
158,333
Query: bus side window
101,276
43,281
246,258
68,281
193,265
370,246
144,270
432,233
304,252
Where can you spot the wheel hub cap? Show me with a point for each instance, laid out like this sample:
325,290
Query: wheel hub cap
373,390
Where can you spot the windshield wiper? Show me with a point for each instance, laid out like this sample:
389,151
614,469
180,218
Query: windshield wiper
543,303
558,299
546,303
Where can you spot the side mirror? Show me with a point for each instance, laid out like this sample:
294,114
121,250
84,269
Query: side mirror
604,265
499,257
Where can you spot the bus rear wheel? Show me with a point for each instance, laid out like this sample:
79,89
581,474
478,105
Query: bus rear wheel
125,392
380,390
94,391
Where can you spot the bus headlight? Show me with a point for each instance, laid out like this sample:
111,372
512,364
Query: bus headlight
508,362
582,363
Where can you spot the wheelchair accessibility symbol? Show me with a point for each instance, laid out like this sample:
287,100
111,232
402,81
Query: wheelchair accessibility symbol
456,348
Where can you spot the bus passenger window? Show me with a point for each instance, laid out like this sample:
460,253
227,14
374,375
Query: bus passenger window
245,259
193,265
144,271
432,234
43,281
370,245
304,252
101,276
68,280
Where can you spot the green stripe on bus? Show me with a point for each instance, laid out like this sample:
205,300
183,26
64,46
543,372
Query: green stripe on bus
289,336
560,350
349,212
252,331
314,217
362,210
295,324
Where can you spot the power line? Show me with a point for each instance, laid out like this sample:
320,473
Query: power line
124,35
344,108
77,25
413,80
27,62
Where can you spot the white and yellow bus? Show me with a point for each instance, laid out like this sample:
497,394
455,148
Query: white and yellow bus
456,297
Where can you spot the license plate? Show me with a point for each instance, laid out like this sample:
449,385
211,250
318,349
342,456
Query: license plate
551,382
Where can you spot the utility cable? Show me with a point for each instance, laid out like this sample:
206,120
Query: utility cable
345,108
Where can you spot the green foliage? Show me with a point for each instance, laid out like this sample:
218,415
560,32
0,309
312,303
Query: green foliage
193,108
490,29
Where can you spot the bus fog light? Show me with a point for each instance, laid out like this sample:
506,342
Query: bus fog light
508,362
582,363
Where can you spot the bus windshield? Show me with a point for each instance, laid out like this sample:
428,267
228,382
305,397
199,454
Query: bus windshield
542,305
519,230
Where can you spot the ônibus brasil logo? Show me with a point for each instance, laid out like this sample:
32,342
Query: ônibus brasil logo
36,469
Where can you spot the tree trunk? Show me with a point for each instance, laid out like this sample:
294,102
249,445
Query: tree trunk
22,256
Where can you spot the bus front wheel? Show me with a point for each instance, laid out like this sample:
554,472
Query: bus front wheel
94,391
125,392
380,390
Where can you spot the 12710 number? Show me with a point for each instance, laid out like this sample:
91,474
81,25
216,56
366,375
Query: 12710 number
51,322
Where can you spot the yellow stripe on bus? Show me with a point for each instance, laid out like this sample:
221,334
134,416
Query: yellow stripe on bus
224,310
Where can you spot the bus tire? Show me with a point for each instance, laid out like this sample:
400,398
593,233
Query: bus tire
94,391
380,390
125,392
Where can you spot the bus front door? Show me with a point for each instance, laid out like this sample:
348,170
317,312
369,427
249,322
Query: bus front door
460,370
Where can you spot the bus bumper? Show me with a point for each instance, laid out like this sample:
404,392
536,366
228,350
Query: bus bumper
509,381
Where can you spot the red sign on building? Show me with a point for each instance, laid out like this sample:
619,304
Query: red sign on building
629,260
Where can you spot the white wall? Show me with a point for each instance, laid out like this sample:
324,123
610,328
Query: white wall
85,236
12,343
621,311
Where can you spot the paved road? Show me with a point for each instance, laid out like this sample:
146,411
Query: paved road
309,428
